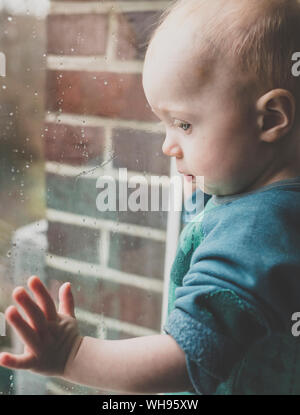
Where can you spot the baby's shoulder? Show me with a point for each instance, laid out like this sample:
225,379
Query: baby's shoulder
269,209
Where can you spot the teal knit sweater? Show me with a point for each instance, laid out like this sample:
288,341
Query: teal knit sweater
233,288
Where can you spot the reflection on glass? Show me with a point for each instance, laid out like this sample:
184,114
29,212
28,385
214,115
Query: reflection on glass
72,108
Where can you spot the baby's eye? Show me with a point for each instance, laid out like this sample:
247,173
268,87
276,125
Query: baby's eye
183,125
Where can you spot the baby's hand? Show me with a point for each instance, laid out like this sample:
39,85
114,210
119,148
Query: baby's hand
49,337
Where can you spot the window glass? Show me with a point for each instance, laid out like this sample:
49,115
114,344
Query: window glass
75,124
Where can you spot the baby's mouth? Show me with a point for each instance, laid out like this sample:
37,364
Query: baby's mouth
189,177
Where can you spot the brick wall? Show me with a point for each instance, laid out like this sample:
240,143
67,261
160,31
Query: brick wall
95,105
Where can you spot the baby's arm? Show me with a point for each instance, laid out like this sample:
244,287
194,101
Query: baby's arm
54,347
150,364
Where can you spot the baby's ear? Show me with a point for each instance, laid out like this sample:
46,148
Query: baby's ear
276,114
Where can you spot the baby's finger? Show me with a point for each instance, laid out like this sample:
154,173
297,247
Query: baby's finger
66,300
35,314
12,361
43,298
23,329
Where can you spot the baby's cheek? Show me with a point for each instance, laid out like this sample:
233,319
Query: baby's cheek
207,161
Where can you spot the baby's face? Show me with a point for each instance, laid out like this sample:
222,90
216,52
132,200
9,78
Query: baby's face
210,128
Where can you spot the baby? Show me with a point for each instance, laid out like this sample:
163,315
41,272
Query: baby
218,74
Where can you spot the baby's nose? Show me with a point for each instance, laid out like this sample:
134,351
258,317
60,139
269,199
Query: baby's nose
171,148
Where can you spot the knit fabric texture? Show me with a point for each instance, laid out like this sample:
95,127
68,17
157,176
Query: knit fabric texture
234,285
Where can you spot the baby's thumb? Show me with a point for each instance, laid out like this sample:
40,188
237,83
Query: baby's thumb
66,300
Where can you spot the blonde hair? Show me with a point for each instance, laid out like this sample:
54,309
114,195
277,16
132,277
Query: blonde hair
260,36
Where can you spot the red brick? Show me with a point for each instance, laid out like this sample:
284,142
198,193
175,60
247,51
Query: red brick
133,33
140,151
74,145
98,93
136,255
118,301
84,34
72,241
79,195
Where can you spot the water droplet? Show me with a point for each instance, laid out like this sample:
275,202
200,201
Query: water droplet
3,86
9,18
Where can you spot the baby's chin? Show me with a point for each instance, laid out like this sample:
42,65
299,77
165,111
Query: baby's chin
207,187
196,182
